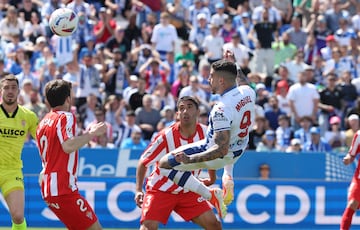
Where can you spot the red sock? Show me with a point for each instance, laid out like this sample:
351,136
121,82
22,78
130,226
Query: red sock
346,219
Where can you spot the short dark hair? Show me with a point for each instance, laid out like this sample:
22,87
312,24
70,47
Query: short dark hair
188,98
225,66
56,92
9,77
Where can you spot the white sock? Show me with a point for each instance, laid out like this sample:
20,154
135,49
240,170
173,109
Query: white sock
228,170
187,181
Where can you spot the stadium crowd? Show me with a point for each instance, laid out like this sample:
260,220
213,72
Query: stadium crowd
130,60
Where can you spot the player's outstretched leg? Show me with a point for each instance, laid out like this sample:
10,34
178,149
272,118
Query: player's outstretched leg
189,182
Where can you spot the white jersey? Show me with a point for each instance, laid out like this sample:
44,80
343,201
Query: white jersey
235,111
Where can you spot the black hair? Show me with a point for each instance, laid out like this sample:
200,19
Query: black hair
188,98
56,92
225,66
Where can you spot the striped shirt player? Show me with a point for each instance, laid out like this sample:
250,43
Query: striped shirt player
162,195
58,147
354,189
165,141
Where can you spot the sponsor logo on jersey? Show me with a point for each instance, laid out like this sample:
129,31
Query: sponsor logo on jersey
219,116
201,199
11,133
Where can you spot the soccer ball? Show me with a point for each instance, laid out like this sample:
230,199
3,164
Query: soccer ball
63,22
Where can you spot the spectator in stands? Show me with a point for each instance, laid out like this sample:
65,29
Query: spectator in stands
316,143
71,74
227,30
262,97
319,29
179,17
220,16
147,117
26,11
264,171
133,85
145,7
268,142
304,100
284,133
310,50
114,106
88,110
256,135
282,89
354,125
84,30
105,27
173,67
26,73
162,96
132,31
284,50
135,142
294,147
335,136
337,64
164,36
213,44
345,32
125,127
100,117
285,9
11,24
244,29
88,82
354,110
198,33
272,13
303,133
181,82
263,35
117,75
33,28
118,41
240,51
333,14
203,76
136,95
296,65
196,9
194,90
167,118
185,53
297,33
330,102
153,74
273,112
348,91
25,91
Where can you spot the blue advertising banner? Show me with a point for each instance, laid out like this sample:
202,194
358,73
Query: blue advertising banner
115,163
258,204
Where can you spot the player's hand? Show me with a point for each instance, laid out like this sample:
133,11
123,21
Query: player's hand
206,181
181,157
348,159
98,129
139,198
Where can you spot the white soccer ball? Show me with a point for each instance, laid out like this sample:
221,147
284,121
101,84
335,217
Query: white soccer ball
63,22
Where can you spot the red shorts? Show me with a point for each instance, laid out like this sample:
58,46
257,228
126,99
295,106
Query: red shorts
158,206
73,210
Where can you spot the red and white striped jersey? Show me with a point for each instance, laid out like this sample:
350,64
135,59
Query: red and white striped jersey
166,141
354,150
59,168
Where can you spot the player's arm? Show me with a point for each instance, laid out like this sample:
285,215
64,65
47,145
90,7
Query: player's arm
218,150
74,143
140,176
212,178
